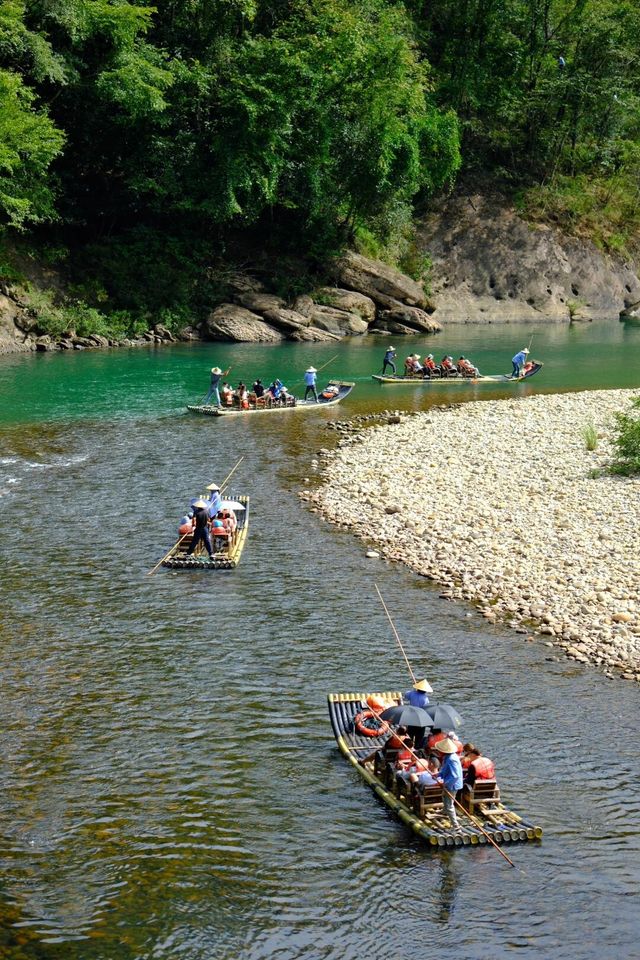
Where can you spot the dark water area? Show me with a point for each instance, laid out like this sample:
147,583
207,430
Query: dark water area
170,787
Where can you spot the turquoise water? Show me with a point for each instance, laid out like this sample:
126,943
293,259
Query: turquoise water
160,381
170,788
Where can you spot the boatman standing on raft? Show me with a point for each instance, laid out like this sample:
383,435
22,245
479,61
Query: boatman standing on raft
201,530
389,360
214,391
418,697
310,383
518,364
451,778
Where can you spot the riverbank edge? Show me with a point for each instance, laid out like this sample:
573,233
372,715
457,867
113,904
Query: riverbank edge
616,650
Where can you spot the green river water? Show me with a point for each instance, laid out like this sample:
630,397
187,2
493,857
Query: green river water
170,788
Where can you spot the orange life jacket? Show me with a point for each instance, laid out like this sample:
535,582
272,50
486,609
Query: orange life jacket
404,759
484,768
394,743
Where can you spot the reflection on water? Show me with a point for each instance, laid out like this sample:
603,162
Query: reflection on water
170,786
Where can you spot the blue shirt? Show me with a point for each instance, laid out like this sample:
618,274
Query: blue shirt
417,698
519,358
310,379
390,354
451,772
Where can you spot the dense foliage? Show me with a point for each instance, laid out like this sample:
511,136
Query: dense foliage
627,443
139,143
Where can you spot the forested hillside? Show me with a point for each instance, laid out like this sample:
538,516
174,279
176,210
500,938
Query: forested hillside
140,145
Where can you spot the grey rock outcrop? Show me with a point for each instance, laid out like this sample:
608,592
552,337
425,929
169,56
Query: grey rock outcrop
631,311
372,277
231,322
340,322
348,300
287,320
413,317
259,302
491,265
312,335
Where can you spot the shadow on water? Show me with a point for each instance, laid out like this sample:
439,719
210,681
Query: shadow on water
170,786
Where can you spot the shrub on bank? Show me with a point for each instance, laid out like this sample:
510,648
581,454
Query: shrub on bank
627,443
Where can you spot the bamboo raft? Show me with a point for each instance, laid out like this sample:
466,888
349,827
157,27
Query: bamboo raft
344,389
227,550
442,381
422,811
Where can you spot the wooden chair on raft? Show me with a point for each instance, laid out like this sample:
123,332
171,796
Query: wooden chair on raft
484,792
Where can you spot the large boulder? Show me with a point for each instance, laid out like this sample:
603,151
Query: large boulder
340,322
348,300
312,334
374,278
303,304
413,317
259,302
631,311
287,320
392,327
231,322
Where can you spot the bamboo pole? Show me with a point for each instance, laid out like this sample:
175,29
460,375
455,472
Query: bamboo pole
395,632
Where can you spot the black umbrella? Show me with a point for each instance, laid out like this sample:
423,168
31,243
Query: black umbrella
443,716
407,716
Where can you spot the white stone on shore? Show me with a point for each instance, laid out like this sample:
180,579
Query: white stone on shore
511,518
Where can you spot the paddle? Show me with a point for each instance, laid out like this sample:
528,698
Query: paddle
222,486
414,755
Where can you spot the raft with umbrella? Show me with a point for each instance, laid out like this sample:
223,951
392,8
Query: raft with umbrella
440,381
227,547
334,392
485,819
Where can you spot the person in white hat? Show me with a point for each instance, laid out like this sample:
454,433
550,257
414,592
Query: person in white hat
518,363
215,499
418,697
450,777
214,386
310,383
389,360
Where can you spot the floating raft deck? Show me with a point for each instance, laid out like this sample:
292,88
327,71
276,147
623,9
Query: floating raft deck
447,381
502,824
226,557
344,389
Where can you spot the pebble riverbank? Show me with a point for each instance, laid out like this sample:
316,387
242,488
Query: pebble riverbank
498,502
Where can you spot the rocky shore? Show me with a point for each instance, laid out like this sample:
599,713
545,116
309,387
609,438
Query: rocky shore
502,504
362,296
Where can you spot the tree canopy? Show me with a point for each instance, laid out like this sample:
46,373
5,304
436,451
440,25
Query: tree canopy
146,136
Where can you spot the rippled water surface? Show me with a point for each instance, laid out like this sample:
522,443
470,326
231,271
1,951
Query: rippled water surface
170,787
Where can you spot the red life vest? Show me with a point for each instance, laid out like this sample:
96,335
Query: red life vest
436,737
484,768
404,759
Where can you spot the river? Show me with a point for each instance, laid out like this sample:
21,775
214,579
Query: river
170,787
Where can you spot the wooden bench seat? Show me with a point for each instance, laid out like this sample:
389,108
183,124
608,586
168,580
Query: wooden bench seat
483,791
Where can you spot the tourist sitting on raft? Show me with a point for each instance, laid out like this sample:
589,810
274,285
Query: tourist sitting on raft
424,772
466,368
475,766
436,734
412,366
448,367
430,367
